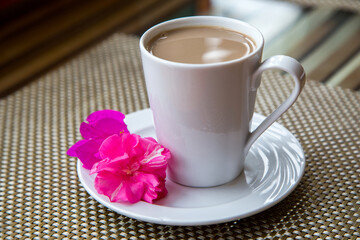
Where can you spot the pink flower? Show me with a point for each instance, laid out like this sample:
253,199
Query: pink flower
132,169
99,126
129,168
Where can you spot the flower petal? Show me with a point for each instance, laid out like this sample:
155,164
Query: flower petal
107,113
155,159
117,145
106,183
151,139
108,127
161,189
88,131
72,150
115,166
134,191
154,188
119,188
102,124
87,153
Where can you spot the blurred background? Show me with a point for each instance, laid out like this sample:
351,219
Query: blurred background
38,35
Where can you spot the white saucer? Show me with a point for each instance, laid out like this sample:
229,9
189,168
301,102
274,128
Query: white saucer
273,168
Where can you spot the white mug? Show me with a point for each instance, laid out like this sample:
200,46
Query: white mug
202,112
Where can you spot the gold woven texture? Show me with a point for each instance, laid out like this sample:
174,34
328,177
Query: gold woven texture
42,198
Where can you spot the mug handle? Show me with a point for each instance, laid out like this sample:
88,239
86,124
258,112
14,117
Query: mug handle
289,65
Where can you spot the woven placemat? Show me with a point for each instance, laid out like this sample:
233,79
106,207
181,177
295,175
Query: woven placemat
349,5
42,198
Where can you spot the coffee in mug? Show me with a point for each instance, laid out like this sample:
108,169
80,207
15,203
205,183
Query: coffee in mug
200,45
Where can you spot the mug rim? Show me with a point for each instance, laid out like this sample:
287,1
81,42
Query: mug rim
147,35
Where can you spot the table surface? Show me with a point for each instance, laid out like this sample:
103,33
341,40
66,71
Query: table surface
41,196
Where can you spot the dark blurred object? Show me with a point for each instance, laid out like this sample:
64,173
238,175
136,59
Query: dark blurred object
12,9
323,35
35,35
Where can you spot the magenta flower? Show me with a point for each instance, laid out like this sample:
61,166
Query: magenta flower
99,126
132,169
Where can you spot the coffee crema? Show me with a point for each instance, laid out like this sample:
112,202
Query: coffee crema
200,45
